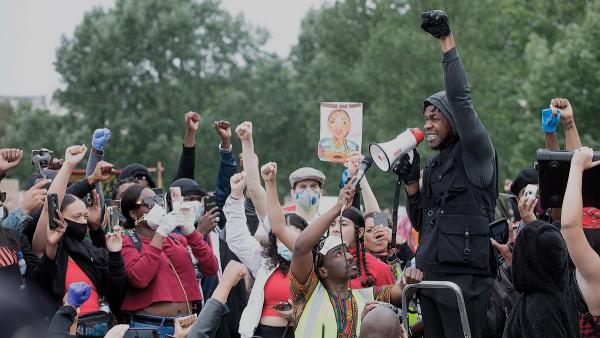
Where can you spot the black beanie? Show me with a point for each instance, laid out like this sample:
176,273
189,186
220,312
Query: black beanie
136,170
525,177
188,187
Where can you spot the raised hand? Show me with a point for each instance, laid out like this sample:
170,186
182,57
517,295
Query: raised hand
566,110
100,138
435,23
233,273
114,239
347,194
35,197
169,222
223,129
78,293
192,121
244,131
101,173
9,158
189,215
94,212
550,118
527,209
582,159
54,236
74,155
238,183
269,172
353,163
382,233
208,221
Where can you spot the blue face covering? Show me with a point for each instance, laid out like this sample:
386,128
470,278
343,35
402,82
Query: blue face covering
308,200
284,252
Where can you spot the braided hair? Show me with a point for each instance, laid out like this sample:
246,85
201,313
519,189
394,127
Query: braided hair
357,218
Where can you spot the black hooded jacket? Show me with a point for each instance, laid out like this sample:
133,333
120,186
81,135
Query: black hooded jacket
454,206
541,274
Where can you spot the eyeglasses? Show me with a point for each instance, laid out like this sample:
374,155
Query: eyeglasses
149,202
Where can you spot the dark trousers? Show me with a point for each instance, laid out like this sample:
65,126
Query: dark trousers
440,309
265,331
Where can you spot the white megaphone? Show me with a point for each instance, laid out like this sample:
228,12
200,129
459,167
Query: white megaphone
385,154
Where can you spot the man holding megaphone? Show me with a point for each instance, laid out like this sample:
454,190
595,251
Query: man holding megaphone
455,203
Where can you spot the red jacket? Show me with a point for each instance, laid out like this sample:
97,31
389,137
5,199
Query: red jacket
379,270
151,278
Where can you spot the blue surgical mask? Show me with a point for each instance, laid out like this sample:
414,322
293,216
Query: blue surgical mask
308,200
284,252
197,206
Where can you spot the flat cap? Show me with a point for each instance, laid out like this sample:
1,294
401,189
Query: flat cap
306,173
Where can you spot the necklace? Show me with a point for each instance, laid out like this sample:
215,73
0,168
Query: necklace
346,311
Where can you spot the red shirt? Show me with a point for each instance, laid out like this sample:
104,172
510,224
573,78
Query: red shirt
277,290
75,274
379,270
151,278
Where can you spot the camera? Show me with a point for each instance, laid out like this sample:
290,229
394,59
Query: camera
40,159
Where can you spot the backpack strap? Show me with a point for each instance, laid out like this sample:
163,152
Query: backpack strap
135,240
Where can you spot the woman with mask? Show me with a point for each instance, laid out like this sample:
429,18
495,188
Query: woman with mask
162,280
69,257
265,315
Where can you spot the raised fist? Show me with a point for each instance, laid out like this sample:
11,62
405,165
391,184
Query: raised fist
74,154
244,131
192,121
100,137
238,183
269,171
435,23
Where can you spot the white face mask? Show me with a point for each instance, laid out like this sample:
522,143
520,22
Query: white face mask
154,216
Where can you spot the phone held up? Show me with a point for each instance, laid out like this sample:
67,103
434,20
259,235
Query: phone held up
210,202
53,208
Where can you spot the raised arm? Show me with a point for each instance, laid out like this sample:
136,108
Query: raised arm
238,237
73,155
227,167
99,139
250,163
567,117
302,260
584,257
276,217
187,161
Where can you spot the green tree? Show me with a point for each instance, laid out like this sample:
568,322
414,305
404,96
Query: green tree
139,67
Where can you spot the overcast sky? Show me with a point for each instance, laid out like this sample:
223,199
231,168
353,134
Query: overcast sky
30,32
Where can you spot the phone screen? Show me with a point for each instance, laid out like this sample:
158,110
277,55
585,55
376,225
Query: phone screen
113,218
380,219
210,203
52,210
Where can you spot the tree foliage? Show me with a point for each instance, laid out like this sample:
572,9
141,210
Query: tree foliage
139,67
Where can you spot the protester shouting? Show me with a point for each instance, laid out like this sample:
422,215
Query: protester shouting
162,280
323,304
269,264
454,206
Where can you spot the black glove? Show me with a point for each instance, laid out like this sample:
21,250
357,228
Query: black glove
435,23
410,172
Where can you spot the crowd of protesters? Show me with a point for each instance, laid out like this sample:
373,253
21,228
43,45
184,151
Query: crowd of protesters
230,261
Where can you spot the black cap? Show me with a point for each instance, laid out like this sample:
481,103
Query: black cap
137,171
525,177
189,187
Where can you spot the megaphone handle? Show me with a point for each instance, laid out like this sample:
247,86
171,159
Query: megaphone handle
395,210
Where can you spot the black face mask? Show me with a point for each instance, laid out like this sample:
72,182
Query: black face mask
76,230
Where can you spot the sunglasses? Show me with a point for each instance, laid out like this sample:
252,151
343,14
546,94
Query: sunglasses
150,202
